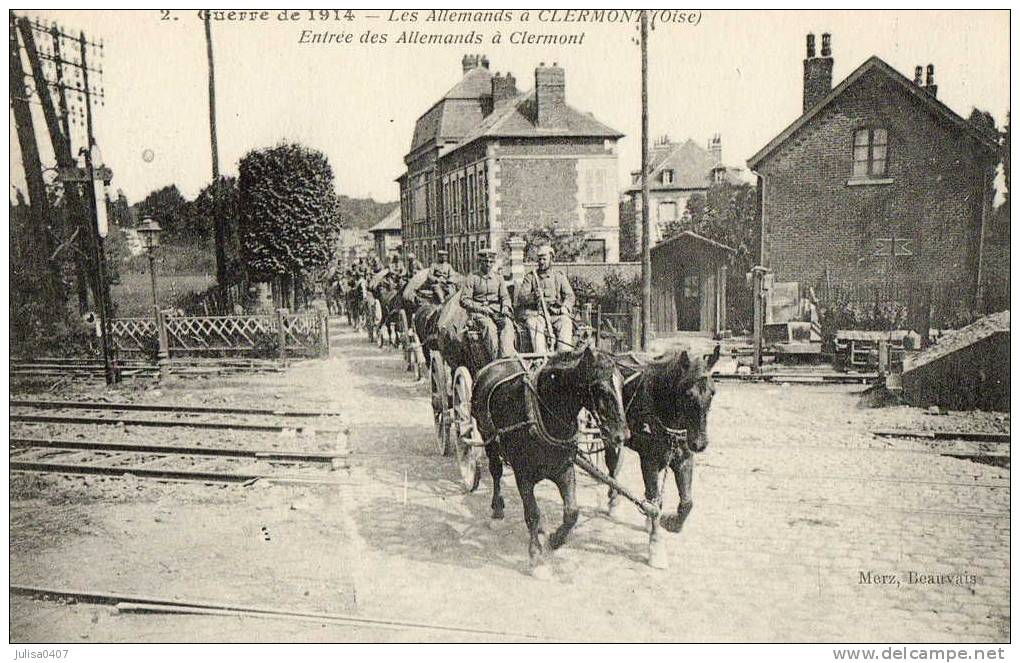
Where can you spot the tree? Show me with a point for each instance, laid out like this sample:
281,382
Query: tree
728,214
220,200
169,209
568,243
287,206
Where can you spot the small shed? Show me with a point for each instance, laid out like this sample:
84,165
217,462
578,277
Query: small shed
689,285
386,235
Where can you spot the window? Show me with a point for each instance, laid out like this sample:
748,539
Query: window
871,151
719,175
667,177
593,191
667,211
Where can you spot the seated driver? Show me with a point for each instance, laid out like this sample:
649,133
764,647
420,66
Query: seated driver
487,300
439,285
552,285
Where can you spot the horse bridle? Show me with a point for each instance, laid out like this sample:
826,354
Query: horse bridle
677,437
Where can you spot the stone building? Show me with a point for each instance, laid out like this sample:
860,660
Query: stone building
677,170
877,186
488,161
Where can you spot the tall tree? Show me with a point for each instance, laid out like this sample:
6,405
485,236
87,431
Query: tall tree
169,208
217,203
287,211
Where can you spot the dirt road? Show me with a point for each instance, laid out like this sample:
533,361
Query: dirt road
800,514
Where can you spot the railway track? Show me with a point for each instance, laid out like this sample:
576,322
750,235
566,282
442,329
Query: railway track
159,407
173,462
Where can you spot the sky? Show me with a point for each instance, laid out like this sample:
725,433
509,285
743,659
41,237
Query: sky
736,73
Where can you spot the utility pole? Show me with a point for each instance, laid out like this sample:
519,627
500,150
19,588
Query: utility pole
39,205
220,232
85,214
646,225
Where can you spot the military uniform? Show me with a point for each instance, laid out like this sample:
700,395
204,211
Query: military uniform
559,300
440,281
487,301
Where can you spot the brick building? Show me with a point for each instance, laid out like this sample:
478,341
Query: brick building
488,161
876,186
677,171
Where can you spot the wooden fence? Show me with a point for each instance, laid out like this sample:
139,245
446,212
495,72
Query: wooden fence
283,334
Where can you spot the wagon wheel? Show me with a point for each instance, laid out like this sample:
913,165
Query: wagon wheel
440,401
463,434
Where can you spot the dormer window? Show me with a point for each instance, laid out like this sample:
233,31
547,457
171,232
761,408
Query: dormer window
667,177
871,152
719,175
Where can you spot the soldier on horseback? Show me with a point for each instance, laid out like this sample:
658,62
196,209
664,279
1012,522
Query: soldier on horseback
546,302
487,300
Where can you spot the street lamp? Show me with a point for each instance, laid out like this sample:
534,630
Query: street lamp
149,230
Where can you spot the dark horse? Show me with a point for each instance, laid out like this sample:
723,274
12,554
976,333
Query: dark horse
667,402
529,420
391,302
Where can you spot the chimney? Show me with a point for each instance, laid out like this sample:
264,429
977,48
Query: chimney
929,83
550,96
469,62
918,72
503,87
484,61
817,71
715,149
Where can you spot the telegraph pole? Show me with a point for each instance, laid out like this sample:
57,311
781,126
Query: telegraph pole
646,225
39,206
221,251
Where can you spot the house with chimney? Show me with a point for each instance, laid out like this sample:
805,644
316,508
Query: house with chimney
677,170
488,161
877,190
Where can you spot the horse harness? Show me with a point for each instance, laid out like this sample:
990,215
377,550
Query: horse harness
650,426
533,406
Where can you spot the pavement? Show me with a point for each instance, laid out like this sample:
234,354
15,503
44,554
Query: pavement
806,528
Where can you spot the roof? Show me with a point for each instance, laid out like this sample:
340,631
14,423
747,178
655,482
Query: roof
688,237
875,63
456,111
692,167
389,223
517,118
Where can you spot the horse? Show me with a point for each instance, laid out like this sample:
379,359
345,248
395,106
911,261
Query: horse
667,411
390,297
534,429
354,297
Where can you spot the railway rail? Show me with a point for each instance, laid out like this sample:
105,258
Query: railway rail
169,423
159,407
172,462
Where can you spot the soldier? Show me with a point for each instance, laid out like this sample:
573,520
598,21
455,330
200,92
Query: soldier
440,281
413,265
486,299
552,285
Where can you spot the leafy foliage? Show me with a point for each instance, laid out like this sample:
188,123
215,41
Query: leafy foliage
220,199
287,210
568,243
362,212
169,209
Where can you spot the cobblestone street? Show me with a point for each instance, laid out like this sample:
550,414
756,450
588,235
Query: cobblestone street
805,528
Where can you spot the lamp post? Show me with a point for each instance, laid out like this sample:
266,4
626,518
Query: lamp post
149,229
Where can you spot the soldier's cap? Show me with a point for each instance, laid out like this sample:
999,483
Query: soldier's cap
442,252
486,253
545,250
